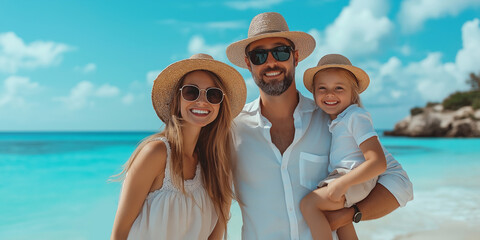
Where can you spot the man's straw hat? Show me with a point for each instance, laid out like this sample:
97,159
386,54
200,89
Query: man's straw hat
336,61
163,87
267,25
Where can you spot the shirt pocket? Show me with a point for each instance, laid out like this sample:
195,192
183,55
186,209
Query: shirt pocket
313,168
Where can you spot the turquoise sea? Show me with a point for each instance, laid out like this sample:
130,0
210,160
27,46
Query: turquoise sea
53,185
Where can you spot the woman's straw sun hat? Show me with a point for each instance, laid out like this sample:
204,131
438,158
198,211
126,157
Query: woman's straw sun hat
268,25
163,87
336,61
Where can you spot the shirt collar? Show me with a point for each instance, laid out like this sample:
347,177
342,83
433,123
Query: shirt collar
305,105
341,115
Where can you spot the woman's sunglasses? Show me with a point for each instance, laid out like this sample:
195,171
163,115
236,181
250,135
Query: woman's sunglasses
280,53
191,93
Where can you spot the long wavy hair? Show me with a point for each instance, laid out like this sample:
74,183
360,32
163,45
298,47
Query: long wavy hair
213,150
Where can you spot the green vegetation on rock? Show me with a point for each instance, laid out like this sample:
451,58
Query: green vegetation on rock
458,99
416,110
462,99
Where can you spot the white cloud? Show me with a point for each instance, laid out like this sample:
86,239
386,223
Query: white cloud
435,80
83,94
90,67
309,62
358,30
79,95
14,90
253,4
413,13
429,79
151,76
378,8
128,99
406,50
107,90
197,45
396,94
402,85
392,66
468,58
15,54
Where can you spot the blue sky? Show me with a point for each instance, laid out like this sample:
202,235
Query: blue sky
89,65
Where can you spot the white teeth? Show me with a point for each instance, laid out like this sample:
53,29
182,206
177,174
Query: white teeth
198,111
271,74
331,103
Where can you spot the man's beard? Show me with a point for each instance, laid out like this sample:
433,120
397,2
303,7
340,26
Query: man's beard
274,88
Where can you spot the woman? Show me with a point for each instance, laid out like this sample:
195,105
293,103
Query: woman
178,183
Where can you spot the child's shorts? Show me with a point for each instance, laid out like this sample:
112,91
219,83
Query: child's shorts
354,194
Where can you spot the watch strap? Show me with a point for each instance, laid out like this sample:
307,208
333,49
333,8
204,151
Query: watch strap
357,215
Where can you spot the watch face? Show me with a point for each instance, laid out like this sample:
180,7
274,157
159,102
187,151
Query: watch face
357,217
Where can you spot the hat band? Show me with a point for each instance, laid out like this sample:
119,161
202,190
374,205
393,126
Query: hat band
265,32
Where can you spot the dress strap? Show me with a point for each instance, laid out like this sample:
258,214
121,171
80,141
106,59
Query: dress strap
169,153
189,185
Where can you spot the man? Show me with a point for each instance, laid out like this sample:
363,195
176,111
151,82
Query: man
283,142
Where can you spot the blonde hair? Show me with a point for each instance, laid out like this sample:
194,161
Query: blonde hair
352,80
213,150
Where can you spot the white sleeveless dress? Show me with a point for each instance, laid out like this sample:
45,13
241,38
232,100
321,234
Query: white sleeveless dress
167,213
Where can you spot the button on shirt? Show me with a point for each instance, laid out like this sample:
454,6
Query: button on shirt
270,185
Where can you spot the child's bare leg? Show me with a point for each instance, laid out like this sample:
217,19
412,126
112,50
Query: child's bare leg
312,206
347,232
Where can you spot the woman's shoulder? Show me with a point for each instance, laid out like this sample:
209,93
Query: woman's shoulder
153,155
156,147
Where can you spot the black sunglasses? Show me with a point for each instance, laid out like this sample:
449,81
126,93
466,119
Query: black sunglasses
191,93
280,53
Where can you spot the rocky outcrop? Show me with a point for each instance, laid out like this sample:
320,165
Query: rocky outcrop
433,121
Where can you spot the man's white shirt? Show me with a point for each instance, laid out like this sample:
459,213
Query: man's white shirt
270,185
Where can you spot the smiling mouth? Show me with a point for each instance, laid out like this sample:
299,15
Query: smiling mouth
199,112
330,103
272,74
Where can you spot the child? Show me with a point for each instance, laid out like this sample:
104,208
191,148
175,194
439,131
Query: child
356,155
178,183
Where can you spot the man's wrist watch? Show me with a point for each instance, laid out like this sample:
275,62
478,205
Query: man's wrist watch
357,216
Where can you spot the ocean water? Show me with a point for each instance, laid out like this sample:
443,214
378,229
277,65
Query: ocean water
54,186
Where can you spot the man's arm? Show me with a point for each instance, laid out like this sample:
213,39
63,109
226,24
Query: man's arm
377,204
393,189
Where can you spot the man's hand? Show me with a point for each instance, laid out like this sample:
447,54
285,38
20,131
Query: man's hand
339,218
